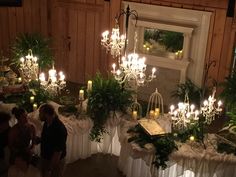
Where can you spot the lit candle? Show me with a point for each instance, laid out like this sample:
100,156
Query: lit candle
180,54
31,99
192,108
81,95
42,77
114,67
151,114
22,60
153,71
192,138
19,80
157,112
35,106
219,104
89,86
62,76
135,115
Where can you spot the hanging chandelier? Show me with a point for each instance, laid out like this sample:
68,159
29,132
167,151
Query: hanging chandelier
114,43
184,115
132,68
53,84
29,67
210,109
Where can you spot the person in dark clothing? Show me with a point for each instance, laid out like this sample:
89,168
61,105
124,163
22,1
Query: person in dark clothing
21,137
4,131
53,142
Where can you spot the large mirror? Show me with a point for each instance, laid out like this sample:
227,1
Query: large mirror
163,43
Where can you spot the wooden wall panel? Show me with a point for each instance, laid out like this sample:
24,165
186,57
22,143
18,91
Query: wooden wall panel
30,18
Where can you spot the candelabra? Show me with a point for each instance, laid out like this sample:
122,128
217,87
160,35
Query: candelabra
209,109
184,115
29,67
116,43
132,68
53,84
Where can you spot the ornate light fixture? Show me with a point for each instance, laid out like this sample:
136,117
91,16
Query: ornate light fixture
53,84
29,67
184,115
209,109
115,43
131,69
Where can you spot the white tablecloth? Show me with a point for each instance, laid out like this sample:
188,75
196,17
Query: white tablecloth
188,161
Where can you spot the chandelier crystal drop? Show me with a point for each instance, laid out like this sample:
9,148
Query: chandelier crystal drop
29,67
55,82
114,43
132,68
210,109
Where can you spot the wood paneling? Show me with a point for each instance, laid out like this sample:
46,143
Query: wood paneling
30,18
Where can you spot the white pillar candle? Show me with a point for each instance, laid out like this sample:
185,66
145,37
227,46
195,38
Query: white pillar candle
35,106
135,115
81,95
31,99
89,86
157,112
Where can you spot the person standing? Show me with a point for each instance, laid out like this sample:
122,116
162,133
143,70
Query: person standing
53,142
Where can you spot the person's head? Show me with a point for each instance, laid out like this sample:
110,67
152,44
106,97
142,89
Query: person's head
46,112
4,119
20,114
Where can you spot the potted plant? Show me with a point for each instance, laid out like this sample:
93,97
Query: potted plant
39,46
106,97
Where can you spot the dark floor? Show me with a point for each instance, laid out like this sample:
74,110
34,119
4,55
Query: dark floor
98,165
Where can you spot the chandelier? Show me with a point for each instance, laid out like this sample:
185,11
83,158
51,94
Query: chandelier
53,84
115,43
184,115
132,68
29,67
210,109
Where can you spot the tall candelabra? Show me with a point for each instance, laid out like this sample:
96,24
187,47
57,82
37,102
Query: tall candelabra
53,84
184,115
210,109
132,68
29,67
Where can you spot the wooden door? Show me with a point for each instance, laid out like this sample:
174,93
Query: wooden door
76,30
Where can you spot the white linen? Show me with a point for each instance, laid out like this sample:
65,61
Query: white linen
188,161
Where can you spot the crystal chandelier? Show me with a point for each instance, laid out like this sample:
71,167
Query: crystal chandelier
132,68
184,115
115,43
53,84
29,67
209,109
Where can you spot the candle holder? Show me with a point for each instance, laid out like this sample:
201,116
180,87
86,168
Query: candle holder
184,115
29,67
53,84
136,109
209,109
155,105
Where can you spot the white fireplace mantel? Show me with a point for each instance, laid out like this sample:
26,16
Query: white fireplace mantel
192,23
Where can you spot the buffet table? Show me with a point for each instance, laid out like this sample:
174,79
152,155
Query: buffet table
189,161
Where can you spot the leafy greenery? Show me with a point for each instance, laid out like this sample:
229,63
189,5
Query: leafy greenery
164,144
229,92
39,46
232,116
173,41
194,92
23,100
107,96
